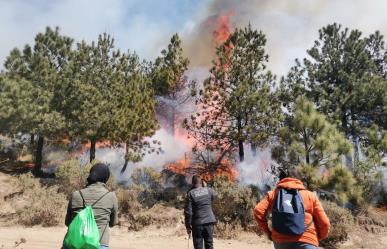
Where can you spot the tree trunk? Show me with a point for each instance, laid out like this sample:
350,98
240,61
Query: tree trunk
254,149
344,123
39,155
32,139
126,158
125,166
173,117
93,142
306,146
240,142
241,151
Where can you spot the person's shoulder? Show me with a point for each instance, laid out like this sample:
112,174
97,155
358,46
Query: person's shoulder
270,193
310,194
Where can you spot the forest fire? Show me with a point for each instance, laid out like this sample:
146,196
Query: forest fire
223,28
187,167
208,170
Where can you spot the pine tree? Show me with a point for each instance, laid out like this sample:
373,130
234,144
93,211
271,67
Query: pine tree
38,69
170,83
307,138
133,117
345,76
106,96
238,105
310,143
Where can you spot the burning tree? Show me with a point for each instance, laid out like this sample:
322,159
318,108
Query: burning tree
170,83
237,105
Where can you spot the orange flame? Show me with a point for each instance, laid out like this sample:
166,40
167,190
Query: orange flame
223,28
186,167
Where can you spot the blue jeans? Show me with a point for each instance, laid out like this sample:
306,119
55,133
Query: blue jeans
295,245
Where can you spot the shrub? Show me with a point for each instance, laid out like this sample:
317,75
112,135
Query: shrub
71,176
342,222
233,206
45,205
148,184
227,231
128,201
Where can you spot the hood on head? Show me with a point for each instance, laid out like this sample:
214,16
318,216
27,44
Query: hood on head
290,183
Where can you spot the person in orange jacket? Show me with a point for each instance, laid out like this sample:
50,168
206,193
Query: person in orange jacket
316,221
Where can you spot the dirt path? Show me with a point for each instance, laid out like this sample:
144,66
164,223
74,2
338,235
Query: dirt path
51,238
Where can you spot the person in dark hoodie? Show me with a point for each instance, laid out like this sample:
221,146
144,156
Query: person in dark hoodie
316,222
103,202
199,216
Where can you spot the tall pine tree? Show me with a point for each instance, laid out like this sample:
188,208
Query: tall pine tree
238,105
38,69
170,83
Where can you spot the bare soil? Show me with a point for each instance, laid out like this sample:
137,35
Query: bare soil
50,238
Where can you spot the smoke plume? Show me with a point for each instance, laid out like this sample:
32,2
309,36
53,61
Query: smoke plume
291,26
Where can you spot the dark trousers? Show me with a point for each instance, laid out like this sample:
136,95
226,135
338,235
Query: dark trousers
202,233
295,245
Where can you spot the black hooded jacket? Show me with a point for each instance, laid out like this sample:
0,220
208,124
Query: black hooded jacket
198,208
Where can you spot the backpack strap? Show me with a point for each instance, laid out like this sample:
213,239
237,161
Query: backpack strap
99,199
83,199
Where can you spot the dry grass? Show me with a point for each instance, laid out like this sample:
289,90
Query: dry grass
342,223
34,204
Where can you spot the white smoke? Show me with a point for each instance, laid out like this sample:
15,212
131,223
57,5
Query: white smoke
291,26
173,149
255,170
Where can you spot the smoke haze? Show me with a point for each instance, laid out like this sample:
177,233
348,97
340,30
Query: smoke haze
291,26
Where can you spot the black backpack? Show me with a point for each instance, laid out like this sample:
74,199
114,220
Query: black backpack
288,213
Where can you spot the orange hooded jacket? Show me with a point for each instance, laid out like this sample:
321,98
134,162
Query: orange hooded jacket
315,231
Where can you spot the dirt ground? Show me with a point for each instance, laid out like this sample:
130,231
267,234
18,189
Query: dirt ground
51,238
151,237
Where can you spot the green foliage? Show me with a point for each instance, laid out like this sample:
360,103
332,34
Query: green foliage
106,96
344,186
34,73
170,83
168,73
72,176
309,142
345,76
308,138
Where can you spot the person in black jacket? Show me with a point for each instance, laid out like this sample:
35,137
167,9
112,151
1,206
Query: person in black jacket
199,217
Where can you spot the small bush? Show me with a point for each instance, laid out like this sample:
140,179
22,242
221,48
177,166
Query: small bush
128,201
233,207
45,206
227,231
342,222
71,176
148,184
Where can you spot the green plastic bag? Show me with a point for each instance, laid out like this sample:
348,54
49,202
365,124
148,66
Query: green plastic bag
83,231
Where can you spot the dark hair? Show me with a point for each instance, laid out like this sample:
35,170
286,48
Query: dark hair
98,173
291,172
196,179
